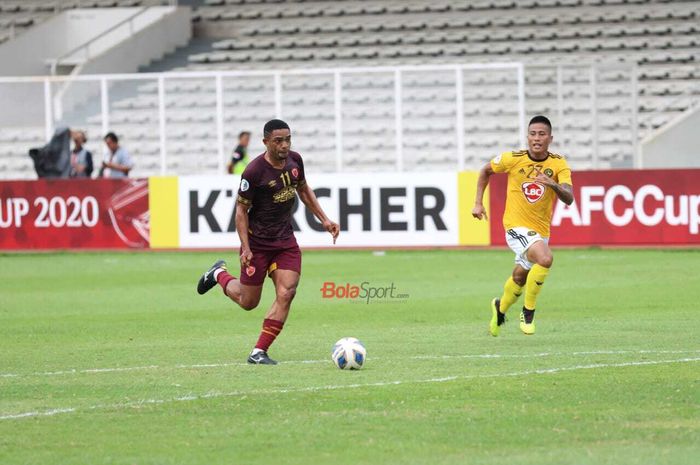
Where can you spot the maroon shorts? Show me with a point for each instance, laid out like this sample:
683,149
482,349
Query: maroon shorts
266,260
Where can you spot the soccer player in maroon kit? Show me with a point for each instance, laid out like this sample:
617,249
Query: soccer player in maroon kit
266,196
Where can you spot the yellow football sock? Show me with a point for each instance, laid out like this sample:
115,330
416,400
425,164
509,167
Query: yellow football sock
511,292
533,285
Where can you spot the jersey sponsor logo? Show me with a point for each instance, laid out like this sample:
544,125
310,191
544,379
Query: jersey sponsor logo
295,172
533,191
250,270
244,185
285,195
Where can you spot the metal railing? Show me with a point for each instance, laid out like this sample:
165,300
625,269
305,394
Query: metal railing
459,107
277,78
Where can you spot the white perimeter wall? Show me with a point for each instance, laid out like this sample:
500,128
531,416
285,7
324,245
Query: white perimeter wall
156,31
159,31
676,145
26,55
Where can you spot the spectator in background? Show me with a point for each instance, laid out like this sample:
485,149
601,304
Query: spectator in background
239,158
80,159
118,163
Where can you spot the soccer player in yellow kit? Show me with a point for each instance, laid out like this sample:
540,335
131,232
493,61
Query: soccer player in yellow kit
535,178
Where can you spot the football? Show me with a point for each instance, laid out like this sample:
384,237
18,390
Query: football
349,354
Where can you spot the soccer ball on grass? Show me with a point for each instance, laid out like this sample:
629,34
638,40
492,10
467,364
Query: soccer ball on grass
349,354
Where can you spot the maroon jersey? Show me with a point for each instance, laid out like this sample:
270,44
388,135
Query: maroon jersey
270,193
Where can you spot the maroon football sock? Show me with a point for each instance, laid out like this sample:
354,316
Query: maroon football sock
223,279
270,330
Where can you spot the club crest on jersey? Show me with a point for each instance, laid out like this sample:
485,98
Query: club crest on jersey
295,172
533,191
549,172
244,185
250,270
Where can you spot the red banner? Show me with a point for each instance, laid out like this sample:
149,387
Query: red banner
625,207
61,213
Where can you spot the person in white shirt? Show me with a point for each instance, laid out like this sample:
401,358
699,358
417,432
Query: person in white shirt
118,162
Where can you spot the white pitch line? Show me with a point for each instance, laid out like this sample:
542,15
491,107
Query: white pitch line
215,394
81,371
76,371
45,413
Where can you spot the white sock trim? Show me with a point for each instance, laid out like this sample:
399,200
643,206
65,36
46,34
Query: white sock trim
217,272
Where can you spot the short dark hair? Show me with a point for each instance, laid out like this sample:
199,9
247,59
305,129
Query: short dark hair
540,119
243,133
273,125
113,137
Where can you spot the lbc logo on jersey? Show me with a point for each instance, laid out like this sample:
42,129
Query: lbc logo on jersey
533,191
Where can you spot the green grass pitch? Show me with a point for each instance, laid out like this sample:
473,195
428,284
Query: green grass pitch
112,358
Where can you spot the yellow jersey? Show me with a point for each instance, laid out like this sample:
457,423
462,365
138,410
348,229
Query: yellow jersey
528,203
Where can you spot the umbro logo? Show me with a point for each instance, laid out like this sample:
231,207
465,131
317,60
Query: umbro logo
272,183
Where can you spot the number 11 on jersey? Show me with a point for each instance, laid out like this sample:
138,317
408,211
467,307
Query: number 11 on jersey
286,179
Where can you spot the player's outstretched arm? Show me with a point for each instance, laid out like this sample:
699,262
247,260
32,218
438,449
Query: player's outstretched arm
242,229
306,194
479,212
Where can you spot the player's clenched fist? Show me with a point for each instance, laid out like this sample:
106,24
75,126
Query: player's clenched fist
246,257
332,228
479,212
